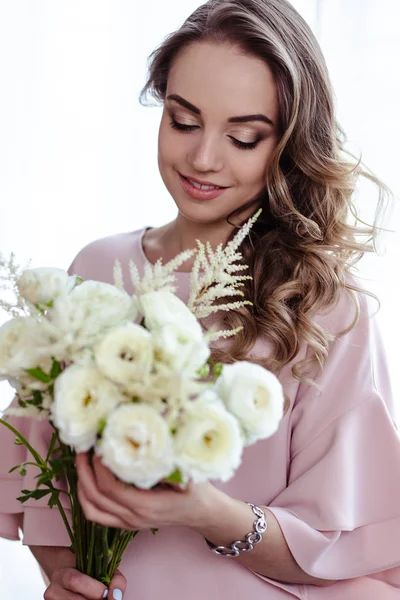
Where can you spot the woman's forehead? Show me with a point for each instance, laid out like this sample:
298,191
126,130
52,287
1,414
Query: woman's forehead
220,77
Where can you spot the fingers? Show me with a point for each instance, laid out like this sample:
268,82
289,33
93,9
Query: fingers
117,587
88,488
58,593
70,584
97,515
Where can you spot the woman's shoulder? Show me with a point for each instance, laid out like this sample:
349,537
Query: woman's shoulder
96,260
354,309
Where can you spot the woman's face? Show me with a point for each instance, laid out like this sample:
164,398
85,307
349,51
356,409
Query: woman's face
219,127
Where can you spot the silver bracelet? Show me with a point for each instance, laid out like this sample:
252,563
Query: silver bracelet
252,538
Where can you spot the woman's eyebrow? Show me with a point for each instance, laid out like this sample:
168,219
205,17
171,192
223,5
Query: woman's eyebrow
197,111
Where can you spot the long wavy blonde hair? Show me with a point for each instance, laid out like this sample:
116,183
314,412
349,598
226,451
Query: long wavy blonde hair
300,252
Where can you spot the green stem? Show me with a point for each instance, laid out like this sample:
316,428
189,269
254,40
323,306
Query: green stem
91,549
43,466
19,435
105,549
98,557
66,523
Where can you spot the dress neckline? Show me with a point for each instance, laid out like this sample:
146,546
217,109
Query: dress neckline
146,260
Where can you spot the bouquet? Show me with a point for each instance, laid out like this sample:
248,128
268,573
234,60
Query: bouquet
131,379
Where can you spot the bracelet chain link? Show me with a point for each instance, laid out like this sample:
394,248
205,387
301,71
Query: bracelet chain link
252,538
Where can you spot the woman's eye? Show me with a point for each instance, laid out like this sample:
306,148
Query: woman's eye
237,143
181,127
245,145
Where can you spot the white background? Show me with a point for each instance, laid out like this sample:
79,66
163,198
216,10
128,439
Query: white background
78,152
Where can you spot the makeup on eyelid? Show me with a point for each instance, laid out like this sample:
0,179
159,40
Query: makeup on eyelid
187,128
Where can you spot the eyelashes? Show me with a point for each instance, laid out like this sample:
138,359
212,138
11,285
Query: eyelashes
188,128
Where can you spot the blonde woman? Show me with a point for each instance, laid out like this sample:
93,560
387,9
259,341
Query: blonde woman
248,122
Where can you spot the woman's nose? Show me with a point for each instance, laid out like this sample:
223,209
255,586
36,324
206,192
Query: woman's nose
206,155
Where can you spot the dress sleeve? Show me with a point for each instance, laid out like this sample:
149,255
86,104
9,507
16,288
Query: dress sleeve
340,512
11,483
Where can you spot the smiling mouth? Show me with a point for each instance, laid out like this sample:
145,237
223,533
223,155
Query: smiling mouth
202,186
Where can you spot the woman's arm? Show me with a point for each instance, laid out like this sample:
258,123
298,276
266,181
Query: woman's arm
226,520
202,507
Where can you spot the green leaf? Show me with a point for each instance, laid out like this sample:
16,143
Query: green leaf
51,446
204,371
175,477
53,499
21,403
37,494
101,426
25,497
154,530
78,280
18,442
14,468
44,478
55,369
37,398
38,374
217,370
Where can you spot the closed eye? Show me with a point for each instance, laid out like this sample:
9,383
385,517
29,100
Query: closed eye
241,145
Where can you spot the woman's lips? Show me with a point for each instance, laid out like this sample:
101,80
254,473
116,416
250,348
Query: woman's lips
199,194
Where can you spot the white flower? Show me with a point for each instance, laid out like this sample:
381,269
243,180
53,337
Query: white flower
208,443
125,355
162,308
82,400
178,350
137,446
81,318
23,346
254,395
42,286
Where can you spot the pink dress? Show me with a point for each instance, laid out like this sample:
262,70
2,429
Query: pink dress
330,475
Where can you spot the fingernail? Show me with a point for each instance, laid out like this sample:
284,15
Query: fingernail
117,594
105,594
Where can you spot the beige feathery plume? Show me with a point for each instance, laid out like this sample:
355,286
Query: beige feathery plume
213,276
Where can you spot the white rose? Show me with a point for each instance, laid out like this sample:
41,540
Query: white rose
162,308
82,400
43,285
178,350
23,345
254,395
125,355
137,446
208,443
81,318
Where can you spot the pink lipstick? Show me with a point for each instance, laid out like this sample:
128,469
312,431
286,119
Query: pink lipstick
200,190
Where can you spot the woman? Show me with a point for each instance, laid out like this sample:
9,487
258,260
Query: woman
248,122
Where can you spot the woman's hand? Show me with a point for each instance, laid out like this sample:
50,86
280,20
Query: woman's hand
69,584
108,501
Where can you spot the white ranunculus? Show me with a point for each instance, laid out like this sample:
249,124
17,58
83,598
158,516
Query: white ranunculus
23,345
208,442
43,285
125,355
80,319
178,350
136,445
161,308
254,395
83,398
